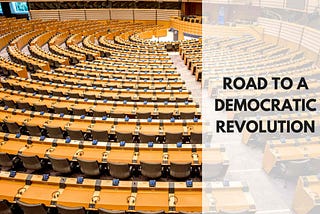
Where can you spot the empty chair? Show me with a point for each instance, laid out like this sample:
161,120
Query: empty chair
143,115
8,102
74,94
148,99
187,115
183,212
89,168
315,165
104,211
165,115
13,127
44,91
90,96
99,135
294,168
5,207
180,170
181,99
106,97
196,137
150,212
124,136
54,131
57,93
32,208
162,99
30,162
61,165
99,113
23,105
69,82
172,137
79,111
217,171
70,210
5,161
121,98
235,212
17,88
151,170
117,115
40,107
33,130
59,110
145,138
119,170
75,134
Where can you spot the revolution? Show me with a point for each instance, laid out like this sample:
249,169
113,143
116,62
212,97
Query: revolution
265,126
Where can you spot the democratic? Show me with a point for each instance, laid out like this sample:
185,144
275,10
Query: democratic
266,104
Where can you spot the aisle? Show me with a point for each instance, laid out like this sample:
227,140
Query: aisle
191,84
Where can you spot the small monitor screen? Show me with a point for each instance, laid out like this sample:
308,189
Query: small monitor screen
19,7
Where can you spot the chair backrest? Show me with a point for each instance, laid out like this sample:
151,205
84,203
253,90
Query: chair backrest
9,103
61,165
119,170
235,212
5,160
181,99
196,137
79,111
13,127
143,115
100,135
296,167
180,170
40,107
32,208
90,168
57,93
151,170
162,99
216,170
23,105
54,131
70,210
117,115
187,115
104,211
30,162
165,115
150,212
90,96
4,207
315,165
124,136
74,95
172,137
59,110
99,113
75,134
33,130
145,138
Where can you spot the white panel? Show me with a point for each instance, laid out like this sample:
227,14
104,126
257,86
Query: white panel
312,5
271,27
98,14
44,14
72,14
272,3
291,32
311,39
121,14
145,14
164,15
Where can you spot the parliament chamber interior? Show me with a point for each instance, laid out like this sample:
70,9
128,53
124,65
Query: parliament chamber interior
101,107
